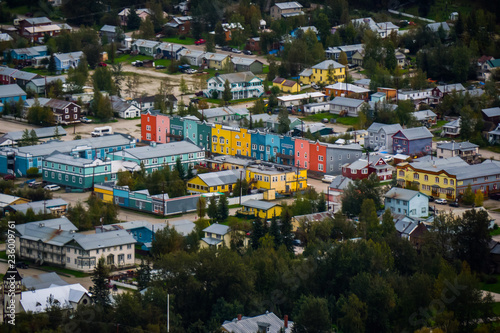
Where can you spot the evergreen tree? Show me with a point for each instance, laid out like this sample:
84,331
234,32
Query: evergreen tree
257,232
183,86
180,168
343,58
212,211
104,109
286,227
274,231
222,208
391,63
468,197
100,290
226,94
368,220
133,20
220,36
33,138
388,227
143,275
201,207
283,121
57,135
190,173
52,65
321,203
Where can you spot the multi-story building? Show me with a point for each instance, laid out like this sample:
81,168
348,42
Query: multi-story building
158,156
340,89
417,140
286,9
337,155
439,92
14,76
271,176
242,85
410,203
220,181
383,29
469,152
363,168
380,136
326,72
334,52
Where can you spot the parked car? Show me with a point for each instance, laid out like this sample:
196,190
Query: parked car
137,63
440,201
454,204
431,198
315,86
102,64
9,177
328,179
85,120
198,93
495,196
160,67
226,48
200,41
247,52
324,120
52,187
236,51
21,265
190,71
35,184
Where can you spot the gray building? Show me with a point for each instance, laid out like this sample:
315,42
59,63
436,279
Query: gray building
246,64
337,155
380,136
343,104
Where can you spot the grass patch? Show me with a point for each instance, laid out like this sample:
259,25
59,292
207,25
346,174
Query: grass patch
492,287
130,58
3,255
63,271
440,123
496,308
495,232
495,149
318,117
39,71
265,69
99,121
235,206
177,40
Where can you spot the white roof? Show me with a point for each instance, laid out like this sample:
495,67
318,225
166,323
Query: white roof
288,5
299,97
349,87
37,301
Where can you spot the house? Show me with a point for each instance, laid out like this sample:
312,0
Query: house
25,55
144,102
325,72
413,204
225,115
334,52
34,29
417,140
217,236
390,93
468,151
4,37
182,24
215,60
337,187
285,9
220,181
65,61
243,85
491,65
246,64
363,83
378,97
452,129
411,230
491,115
158,156
169,50
19,160
8,200
283,179
228,29
271,121
38,85
295,33
440,91
309,219
15,76
264,210
417,96
483,69
67,297
288,86
43,281
426,118
143,13
11,93
253,44
434,27
296,100
60,245
112,33
380,136
345,106
54,206
193,57
340,89
383,29
358,59
123,109
363,168
145,47
65,112
494,136
267,322
313,128
43,133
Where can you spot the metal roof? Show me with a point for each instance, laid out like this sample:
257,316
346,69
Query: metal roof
40,82
258,204
416,133
41,133
161,150
451,87
58,223
6,199
145,43
299,97
37,20
69,56
365,82
326,65
220,177
237,77
42,281
402,194
340,183
288,5
215,56
37,301
11,90
218,229
435,26
349,87
105,239
487,168
108,28
492,112
254,324
32,51
74,161
244,61
388,128
345,101
423,115
466,145
38,206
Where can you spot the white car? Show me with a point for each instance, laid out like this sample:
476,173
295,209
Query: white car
328,179
52,187
440,201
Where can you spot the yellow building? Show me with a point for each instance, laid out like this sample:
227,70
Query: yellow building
265,210
228,162
216,60
219,235
222,139
104,192
221,181
241,142
326,72
288,86
281,178
428,178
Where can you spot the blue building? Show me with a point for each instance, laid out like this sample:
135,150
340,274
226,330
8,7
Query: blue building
286,152
258,148
28,53
10,94
272,146
413,204
412,141
19,160
65,61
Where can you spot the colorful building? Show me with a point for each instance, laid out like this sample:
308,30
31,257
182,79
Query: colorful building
221,181
271,176
327,71
263,209
410,141
363,168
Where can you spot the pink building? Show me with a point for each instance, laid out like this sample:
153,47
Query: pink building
302,152
163,126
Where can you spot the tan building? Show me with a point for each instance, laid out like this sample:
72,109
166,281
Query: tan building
286,9
219,235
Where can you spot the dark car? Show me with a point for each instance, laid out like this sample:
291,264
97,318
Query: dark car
199,93
226,48
495,196
454,204
247,52
9,177
431,198
21,265
160,67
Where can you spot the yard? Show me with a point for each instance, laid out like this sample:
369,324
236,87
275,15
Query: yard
440,10
130,58
177,40
318,117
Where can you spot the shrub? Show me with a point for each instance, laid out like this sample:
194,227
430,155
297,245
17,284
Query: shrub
32,172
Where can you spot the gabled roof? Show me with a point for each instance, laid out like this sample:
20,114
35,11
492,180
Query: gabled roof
237,77
288,5
244,61
108,28
41,133
218,229
402,194
466,145
67,297
69,56
40,82
453,124
416,133
324,65
220,177
492,112
279,80
435,26
38,20
59,104
451,87
349,87
31,51
348,102
119,105
39,206
423,115
7,199
258,204
268,321
161,150
145,43
215,56
42,281
494,63
11,90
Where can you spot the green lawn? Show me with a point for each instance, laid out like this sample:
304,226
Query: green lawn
496,309
348,121
494,287
495,232
63,271
265,69
177,40
3,255
39,71
495,149
440,123
129,58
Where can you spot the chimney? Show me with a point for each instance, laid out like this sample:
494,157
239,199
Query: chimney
239,317
285,319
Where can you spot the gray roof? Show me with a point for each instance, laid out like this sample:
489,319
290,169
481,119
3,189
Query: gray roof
251,324
451,87
244,61
38,206
184,227
487,168
41,133
364,82
161,150
218,229
40,82
326,65
492,112
5,37
11,90
70,160
67,146
38,301
6,199
42,281
466,145
288,5
435,26
69,56
58,223
306,72
22,75
423,115
388,128
345,101
258,204
104,239
51,236
108,28
220,177
340,183
215,56
145,43
405,225
38,20
237,77
453,124
225,111
32,51
119,105
401,194
416,133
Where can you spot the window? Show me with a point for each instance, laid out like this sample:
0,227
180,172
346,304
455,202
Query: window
401,173
129,256
424,210
436,180
46,173
474,180
415,176
348,156
452,182
320,167
148,128
254,146
298,154
426,178
445,181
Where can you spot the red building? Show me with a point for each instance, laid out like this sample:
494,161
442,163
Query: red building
34,29
361,169
317,160
148,126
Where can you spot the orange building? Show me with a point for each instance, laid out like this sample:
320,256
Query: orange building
390,93
341,89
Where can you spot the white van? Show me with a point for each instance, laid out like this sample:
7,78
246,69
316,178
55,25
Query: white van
101,131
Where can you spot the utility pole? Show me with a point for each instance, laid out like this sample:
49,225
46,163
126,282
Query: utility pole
168,313
241,187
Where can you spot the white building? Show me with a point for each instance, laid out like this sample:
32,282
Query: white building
242,85
291,100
